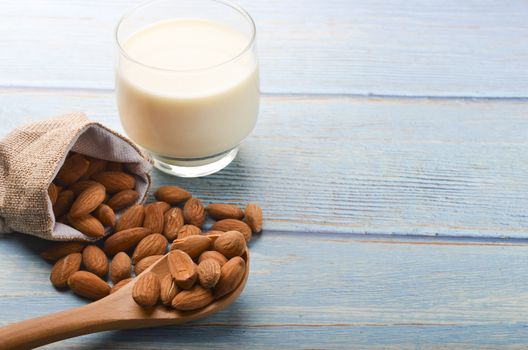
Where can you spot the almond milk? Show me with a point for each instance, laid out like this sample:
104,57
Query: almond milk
187,88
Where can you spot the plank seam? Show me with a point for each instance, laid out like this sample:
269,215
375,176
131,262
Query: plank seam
29,88
385,238
322,325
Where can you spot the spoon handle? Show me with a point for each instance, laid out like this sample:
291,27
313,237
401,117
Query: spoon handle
94,317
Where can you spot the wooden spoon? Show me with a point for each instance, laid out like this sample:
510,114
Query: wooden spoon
116,311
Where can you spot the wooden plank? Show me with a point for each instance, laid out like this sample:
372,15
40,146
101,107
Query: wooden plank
362,165
378,47
324,291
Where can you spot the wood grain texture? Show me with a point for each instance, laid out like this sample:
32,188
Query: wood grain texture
330,164
402,48
376,293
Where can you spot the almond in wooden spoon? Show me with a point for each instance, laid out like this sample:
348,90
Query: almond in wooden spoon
116,311
193,245
168,289
232,273
146,290
182,268
192,299
145,263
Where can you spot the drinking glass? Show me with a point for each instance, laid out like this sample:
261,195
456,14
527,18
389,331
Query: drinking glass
187,82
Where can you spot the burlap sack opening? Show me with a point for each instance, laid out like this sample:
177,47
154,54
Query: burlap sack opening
30,158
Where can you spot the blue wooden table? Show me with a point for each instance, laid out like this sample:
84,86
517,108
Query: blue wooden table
390,157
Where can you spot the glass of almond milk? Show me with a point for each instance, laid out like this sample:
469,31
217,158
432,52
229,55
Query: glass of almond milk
187,82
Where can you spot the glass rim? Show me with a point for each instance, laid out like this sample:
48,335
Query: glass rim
227,3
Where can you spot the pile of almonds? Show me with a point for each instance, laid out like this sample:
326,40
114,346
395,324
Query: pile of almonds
196,275
87,192
203,266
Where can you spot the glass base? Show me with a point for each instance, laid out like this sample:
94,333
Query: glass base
194,167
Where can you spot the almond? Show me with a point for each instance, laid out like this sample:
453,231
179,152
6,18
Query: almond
96,166
182,268
233,225
60,249
230,244
224,211
121,267
254,217
145,263
164,205
192,245
188,230
88,200
154,218
122,241
172,194
168,289
214,233
64,268
132,217
73,168
214,255
82,185
115,181
194,212
154,244
209,273
106,215
88,225
120,285
63,203
114,166
231,274
174,221
53,193
193,299
95,260
146,290
123,199
88,285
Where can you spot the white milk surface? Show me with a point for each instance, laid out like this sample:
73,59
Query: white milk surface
175,102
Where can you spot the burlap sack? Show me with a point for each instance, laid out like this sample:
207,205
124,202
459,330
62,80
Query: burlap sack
30,157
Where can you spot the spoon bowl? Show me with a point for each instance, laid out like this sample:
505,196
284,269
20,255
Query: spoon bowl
116,311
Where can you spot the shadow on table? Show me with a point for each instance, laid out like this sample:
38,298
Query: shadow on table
26,242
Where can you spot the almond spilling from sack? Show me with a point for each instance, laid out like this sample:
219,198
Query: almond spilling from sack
87,192
201,266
